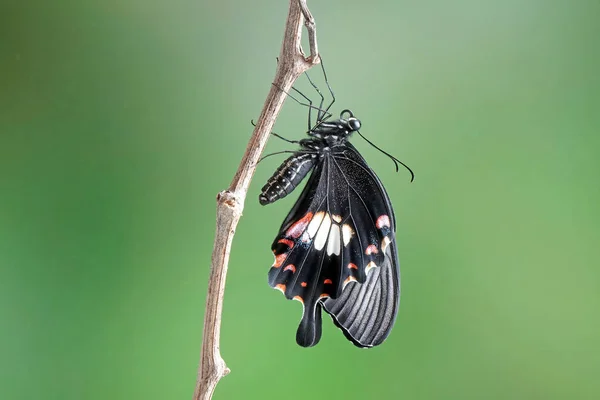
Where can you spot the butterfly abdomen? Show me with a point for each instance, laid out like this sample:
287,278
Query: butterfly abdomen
285,179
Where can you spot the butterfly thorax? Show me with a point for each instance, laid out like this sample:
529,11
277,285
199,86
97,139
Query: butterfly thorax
335,132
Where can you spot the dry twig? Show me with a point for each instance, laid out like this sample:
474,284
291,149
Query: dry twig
230,203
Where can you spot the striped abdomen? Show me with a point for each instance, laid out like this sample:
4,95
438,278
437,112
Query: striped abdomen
289,174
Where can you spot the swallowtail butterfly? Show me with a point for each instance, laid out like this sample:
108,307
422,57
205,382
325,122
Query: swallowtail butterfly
336,249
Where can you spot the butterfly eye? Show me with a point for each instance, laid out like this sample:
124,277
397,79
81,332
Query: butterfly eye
354,123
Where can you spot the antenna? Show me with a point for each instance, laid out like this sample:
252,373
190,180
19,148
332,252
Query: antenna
394,159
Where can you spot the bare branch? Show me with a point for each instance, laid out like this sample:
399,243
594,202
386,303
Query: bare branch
230,203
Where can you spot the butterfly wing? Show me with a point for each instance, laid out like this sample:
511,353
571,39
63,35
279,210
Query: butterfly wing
366,311
336,250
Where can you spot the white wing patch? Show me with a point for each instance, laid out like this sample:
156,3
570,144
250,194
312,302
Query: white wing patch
313,226
334,242
323,232
347,233
327,233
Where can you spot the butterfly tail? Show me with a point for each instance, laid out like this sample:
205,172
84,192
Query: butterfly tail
309,331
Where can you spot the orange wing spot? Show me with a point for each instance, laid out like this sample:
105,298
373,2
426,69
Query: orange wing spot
323,295
385,243
280,287
328,281
288,242
290,267
371,249
383,221
352,266
370,266
300,299
299,226
304,284
279,259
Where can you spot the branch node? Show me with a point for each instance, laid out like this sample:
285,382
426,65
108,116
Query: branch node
228,199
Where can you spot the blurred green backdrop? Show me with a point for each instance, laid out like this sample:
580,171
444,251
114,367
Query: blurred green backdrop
120,121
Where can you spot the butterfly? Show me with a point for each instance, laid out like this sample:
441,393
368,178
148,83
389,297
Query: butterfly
336,249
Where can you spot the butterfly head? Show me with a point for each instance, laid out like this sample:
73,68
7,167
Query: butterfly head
349,122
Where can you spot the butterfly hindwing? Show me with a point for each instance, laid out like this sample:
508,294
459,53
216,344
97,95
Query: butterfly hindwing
366,312
336,249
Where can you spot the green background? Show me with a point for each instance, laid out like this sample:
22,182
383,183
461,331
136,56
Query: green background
120,121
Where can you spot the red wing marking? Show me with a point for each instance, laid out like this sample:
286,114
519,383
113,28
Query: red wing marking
288,242
299,226
279,259
383,221
352,266
323,295
371,249
328,281
290,267
303,284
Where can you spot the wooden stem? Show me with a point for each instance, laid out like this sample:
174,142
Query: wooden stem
230,203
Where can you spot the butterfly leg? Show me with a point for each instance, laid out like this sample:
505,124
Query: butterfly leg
319,115
278,136
309,104
310,107
328,87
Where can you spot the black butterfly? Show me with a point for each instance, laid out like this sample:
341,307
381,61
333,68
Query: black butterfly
336,248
